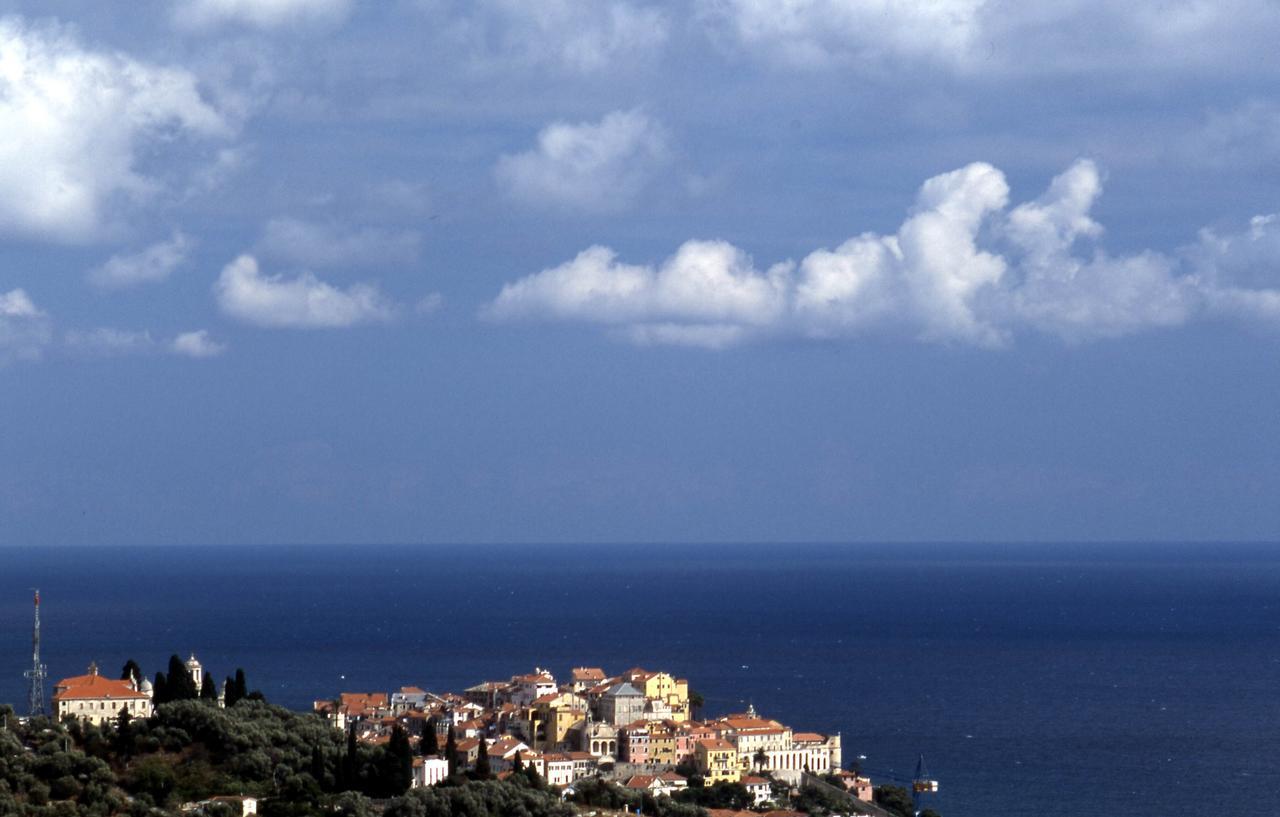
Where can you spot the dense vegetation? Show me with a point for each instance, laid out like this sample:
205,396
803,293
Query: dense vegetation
191,750
188,751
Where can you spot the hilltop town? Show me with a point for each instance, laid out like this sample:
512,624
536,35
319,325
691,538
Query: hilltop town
640,728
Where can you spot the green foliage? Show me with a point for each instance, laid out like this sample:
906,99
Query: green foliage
131,672
451,751
719,795
429,745
488,798
208,691
181,687
895,799
482,771
599,794
823,800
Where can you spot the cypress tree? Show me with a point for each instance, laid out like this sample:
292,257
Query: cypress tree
181,687
402,760
208,690
242,689
131,672
229,687
429,745
517,763
482,760
160,690
350,762
318,766
451,751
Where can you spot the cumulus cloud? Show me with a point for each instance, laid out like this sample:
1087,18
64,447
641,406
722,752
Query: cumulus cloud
326,245
76,121
982,36
258,13
962,268
152,265
24,329
599,166
304,301
813,32
198,344
580,36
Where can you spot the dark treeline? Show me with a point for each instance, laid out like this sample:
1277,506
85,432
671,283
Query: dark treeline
191,750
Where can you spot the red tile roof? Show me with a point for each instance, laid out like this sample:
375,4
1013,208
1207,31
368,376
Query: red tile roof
94,687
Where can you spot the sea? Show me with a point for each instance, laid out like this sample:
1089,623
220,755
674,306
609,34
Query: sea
1035,679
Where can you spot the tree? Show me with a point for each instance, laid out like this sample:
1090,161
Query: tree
318,766
181,686
517,763
350,762
429,745
208,690
131,672
228,691
482,761
761,758
451,751
242,688
401,760
160,690
696,702
895,799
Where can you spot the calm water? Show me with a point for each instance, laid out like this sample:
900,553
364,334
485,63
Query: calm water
1037,680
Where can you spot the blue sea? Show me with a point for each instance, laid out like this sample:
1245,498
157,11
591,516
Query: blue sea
1036,680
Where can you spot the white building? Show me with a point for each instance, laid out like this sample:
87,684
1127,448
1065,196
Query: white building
428,771
97,700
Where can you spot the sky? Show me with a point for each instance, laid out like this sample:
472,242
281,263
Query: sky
295,271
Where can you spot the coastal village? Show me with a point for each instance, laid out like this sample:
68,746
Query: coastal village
638,728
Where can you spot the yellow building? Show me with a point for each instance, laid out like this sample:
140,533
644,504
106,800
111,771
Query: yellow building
552,716
717,760
662,743
662,686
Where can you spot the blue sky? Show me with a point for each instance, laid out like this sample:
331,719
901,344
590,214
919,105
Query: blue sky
719,270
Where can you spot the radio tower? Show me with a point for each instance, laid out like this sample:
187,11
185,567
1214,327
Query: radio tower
36,675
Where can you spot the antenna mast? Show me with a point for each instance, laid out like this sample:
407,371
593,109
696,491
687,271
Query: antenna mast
37,674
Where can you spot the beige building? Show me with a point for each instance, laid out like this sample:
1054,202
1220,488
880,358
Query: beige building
97,700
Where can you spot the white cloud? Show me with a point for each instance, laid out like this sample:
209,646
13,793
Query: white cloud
317,245
985,36
962,268
197,344
75,123
304,301
810,32
24,329
258,13
581,36
152,265
593,166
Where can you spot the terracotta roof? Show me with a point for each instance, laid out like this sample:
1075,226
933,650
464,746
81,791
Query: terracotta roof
588,674
749,780
808,737
639,781
412,691
716,744
95,687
